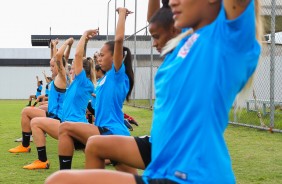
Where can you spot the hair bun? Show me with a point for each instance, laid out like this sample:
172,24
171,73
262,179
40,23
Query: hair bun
165,3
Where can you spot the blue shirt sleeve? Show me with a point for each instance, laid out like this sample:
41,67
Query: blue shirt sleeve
81,77
240,31
120,75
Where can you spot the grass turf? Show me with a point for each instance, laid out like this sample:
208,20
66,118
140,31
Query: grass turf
256,155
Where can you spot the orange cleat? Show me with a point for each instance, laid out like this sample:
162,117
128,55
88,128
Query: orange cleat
20,149
37,164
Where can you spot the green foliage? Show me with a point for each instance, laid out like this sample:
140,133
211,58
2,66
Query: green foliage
250,117
256,155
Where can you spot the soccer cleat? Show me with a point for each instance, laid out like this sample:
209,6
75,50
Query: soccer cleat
20,149
21,139
127,124
37,164
132,121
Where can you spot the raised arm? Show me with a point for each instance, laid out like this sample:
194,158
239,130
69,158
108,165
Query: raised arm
153,6
68,49
53,46
85,48
235,8
79,53
46,79
60,80
37,81
118,51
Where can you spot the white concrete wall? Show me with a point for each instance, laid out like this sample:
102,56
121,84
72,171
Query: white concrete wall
20,82
142,83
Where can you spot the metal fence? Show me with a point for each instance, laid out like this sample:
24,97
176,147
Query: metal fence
146,60
262,110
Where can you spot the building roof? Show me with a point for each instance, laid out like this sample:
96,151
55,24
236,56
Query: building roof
44,40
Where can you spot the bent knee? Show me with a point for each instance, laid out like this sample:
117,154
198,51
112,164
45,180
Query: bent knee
94,143
65,128
57,177
35,122
25,110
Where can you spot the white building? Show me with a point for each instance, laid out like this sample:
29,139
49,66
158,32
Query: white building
20,66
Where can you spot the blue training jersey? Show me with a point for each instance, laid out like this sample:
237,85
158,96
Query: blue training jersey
55,101
38,91
195,89
47,88
93,100
77,97
111,92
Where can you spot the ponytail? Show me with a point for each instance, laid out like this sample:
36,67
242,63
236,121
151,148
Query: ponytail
88,66
128,69
165,3
127,60
247,90
259,22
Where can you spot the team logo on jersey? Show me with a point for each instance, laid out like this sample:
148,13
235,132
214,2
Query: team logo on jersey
185,49
102,81
180,175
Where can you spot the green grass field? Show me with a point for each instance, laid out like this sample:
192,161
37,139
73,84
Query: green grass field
256,155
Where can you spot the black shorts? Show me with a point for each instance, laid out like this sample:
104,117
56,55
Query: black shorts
104,131
139,180
89,107
79,145
145,148
53,116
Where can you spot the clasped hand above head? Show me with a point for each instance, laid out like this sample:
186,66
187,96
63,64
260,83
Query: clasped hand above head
91,33
124,10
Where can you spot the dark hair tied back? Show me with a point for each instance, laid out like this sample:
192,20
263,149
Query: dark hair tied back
165,3
163,17
128,69
127,63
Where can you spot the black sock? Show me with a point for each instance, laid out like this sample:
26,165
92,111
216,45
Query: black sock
34,103
26,138
65,162
90,118
29,103
42,156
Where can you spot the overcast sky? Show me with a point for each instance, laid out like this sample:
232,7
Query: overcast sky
22,18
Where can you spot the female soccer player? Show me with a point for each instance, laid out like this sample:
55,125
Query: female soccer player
38,91
218,60
43,98
54,106
136,151
99,73
73,108
111,92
